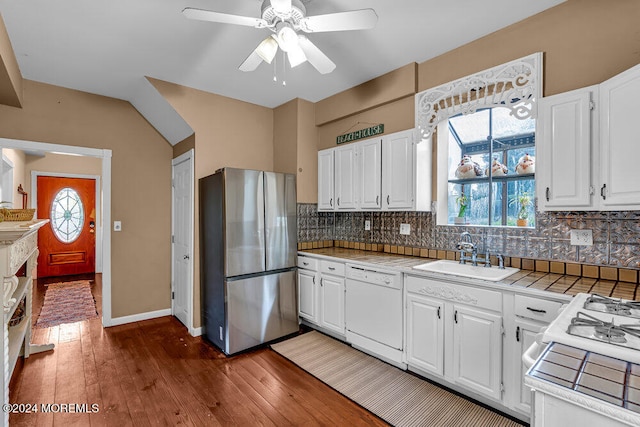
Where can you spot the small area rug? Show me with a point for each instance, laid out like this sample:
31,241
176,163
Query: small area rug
397,397
67,302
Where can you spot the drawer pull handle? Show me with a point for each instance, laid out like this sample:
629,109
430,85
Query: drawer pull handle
455,316
438,312
547,194
602,191
518,334
331,268
537,310
377,200
305,263
314,280
388,200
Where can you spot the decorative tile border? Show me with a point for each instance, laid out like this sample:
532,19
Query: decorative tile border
547,248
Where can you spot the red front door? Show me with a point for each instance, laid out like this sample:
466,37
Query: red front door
67,244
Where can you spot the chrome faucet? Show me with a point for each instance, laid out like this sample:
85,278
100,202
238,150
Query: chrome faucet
465,246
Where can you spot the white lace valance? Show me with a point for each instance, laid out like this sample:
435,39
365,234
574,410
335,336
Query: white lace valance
516,85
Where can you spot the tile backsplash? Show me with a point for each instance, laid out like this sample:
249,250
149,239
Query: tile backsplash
616,235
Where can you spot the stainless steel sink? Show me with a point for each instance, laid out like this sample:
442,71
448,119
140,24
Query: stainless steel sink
492,274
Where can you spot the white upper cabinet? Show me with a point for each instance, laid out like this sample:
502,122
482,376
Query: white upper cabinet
398,171
370,174
345,177
620,141
588,147
564,149
392,173
325,180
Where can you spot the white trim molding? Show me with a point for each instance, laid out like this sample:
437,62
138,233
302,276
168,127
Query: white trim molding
140,316
516,85
195,332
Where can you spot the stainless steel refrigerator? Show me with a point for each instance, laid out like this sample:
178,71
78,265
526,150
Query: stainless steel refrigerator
248,248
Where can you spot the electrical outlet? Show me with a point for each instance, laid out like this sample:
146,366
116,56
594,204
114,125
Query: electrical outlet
117,226
405,229
582,237
367,225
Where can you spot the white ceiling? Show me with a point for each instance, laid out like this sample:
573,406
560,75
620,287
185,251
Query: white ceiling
106,47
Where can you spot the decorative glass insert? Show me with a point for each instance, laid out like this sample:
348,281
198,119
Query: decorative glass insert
67,215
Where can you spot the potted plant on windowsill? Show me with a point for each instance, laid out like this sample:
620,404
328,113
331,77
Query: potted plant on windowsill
462,201
524,201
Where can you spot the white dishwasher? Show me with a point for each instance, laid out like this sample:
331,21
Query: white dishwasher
374,312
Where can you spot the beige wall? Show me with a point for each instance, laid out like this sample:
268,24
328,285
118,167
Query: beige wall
10,77
285,137
17,157
307,153
141,181
227,132
584,42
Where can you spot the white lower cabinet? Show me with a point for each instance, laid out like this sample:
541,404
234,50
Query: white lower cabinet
332,303
425,333
455,332
321,292
526,331
477,350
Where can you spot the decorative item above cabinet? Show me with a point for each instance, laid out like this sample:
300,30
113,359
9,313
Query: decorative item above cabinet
587,147
391,172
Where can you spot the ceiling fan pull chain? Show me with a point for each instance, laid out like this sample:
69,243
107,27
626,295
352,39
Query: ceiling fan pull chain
284,70
275,68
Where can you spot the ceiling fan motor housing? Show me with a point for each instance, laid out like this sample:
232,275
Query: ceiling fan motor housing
297,12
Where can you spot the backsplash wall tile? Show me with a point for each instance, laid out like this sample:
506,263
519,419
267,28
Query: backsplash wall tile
616,235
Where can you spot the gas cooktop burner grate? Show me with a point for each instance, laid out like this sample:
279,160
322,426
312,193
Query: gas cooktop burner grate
618,307
586,326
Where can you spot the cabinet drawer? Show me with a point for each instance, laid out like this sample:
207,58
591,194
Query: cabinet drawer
535,308
307,263
330,267
476,297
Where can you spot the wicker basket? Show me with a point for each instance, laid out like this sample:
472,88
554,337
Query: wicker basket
19,314
17,214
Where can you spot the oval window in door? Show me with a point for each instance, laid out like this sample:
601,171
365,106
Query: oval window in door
67,215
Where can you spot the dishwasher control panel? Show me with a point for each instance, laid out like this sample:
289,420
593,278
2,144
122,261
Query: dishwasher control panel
376,277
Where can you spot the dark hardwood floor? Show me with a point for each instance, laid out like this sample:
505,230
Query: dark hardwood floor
154,373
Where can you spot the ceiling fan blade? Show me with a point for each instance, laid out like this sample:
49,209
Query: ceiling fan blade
281,6
251,63
342,21
316,57
223,18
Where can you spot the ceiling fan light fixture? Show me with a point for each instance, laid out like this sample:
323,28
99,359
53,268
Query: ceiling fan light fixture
287,37
267,49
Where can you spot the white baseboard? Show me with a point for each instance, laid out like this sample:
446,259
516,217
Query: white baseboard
196,332
138,317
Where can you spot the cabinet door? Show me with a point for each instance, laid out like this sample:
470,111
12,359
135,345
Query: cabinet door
564,150
307,295
425,334
332,303
398,171
370,174
526,332
477,352
345,177
619,147
325,180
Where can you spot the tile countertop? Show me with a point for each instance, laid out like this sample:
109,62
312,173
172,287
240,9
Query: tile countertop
525,281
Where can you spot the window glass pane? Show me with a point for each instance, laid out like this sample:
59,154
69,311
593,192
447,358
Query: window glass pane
477,201
67,215
521,191
504,124
471,127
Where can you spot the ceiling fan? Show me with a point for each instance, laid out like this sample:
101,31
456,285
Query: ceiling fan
285,18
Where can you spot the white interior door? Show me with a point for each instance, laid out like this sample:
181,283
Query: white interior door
182,239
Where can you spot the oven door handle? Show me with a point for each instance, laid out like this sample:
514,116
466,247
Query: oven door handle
531,354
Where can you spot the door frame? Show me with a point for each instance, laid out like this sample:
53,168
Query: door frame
189,157
34,204
105,155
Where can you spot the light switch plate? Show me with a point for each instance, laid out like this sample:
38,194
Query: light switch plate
367,225
405,229
117,226
582,237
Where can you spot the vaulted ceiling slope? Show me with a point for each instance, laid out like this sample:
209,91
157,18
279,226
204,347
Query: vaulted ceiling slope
108,47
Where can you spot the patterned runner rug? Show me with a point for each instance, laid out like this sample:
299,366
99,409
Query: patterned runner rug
397,397
67,302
